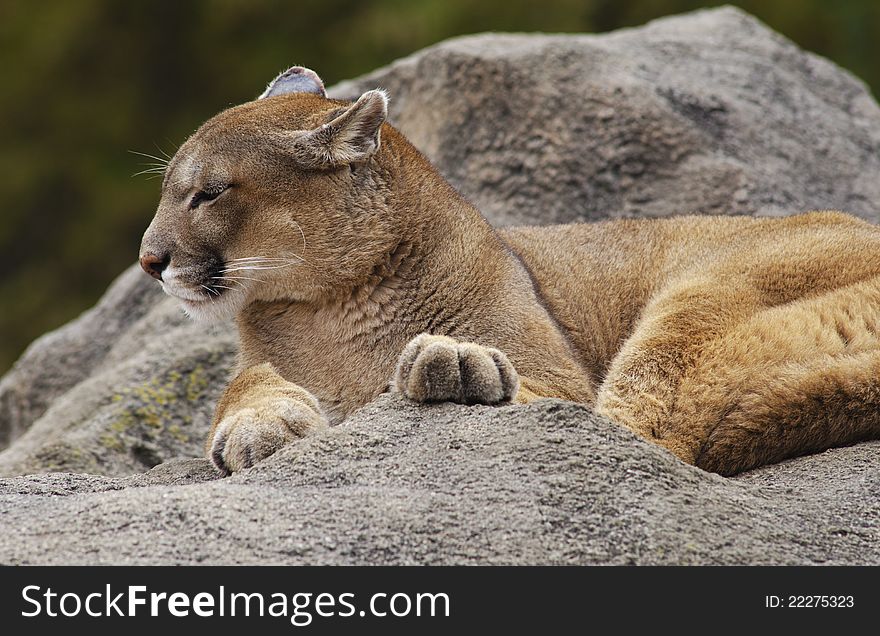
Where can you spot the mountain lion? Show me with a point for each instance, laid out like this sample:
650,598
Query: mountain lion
351,267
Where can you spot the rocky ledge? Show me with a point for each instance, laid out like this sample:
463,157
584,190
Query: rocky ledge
708,112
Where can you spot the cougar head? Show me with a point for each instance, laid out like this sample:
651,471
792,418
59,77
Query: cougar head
281,198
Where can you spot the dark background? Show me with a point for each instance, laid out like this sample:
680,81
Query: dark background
84,82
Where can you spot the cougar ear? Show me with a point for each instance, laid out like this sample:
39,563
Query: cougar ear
351,137
296,79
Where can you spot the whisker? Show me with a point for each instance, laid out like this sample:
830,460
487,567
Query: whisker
284,263
299,227
149,156
255,267
235,278
234,285
263,262
150,171
212,291
209,295
253,259
162,152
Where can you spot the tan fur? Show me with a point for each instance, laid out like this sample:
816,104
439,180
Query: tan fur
730,341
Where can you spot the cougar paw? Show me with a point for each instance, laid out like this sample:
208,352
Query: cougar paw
249,435
439,368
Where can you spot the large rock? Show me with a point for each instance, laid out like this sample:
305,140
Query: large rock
707,112
710,112
129,384
547,483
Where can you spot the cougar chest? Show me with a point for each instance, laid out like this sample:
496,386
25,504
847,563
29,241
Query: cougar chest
344,358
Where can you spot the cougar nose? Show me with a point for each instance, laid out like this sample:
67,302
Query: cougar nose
155,265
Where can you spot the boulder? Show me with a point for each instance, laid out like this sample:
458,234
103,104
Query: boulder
402,484
129,384
709,112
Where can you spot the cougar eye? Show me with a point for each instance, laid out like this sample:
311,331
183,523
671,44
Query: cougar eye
208,194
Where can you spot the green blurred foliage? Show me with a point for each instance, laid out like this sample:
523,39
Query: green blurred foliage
86,81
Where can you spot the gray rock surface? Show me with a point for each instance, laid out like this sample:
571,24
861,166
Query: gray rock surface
706,112
547,483
710,112
129,384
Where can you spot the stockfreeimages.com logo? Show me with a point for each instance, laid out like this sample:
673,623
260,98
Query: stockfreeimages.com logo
300,608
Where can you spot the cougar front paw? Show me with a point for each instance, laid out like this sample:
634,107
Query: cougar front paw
250,434
438,369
